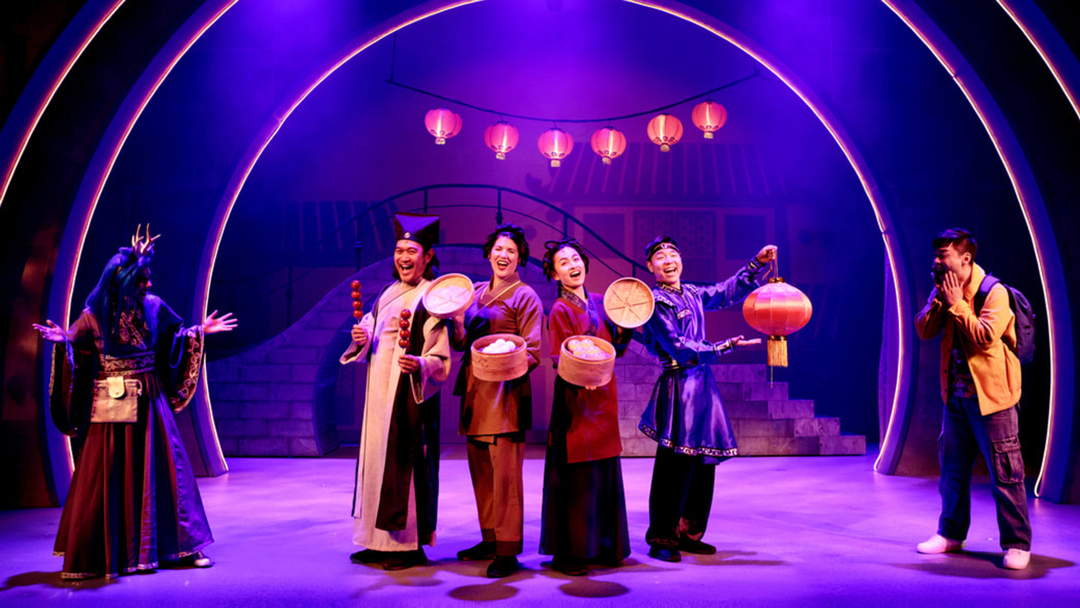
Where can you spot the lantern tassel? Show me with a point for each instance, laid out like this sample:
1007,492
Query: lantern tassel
777,351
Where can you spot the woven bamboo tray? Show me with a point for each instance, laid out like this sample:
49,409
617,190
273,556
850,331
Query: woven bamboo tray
499,367
448,295
586,372
629,302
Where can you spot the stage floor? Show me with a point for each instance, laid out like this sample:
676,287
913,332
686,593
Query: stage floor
805,530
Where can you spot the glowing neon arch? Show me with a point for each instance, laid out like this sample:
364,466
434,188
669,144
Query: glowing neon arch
1013,158
901,281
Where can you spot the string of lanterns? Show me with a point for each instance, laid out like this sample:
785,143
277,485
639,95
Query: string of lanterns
609,143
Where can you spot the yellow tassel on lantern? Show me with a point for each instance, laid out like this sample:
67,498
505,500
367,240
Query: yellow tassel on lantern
777,356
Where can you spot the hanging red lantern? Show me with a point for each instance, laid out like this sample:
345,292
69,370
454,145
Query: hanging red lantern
443,123
555,144
777,310
709,116
609,143
665,130
501,137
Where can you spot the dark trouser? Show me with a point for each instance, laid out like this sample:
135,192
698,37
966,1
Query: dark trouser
496,476
965,432
680,497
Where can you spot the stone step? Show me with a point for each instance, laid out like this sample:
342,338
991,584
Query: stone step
779,446
740,372
785,427
843,445
774,409
753,391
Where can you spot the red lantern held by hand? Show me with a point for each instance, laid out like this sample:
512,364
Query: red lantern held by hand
777,310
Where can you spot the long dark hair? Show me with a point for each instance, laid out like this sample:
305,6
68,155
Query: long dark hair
117,290
514,233
553,247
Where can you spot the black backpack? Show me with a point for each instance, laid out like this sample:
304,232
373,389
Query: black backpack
1023,317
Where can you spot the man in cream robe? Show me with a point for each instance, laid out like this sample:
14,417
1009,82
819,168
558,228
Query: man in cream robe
408,353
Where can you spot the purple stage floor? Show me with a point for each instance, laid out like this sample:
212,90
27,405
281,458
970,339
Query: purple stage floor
808,531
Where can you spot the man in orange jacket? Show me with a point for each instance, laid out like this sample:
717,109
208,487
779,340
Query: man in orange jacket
980,385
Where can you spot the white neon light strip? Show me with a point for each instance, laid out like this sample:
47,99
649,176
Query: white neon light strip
20,148
1040,256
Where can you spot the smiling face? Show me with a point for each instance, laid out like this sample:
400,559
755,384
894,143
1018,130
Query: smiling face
666,266
569,269
949,258
504,258
410,261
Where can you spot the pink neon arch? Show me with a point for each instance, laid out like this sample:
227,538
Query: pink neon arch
1051,273
904,312
47,80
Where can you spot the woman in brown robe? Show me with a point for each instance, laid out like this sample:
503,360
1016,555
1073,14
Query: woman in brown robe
495,415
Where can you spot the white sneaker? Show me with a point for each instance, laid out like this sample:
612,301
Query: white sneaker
939,544
1016,559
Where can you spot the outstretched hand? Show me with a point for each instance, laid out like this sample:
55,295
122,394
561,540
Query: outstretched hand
50,332
739,341
213,325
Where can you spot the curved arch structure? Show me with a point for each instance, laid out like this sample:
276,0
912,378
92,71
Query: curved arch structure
20,125
1054,470
901,281
97,173
1005,141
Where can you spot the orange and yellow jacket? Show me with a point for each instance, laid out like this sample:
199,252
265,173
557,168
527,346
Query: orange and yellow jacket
988,340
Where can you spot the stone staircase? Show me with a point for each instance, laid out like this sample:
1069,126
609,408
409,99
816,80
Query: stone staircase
767,422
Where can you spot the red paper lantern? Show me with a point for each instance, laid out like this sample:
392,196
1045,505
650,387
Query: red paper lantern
609,143
777,310
501,137
709,116
665,130
555,144
443,124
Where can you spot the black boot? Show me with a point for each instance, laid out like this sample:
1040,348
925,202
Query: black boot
482,550
503,566
401,560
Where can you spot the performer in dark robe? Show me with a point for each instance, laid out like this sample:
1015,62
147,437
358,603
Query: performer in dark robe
685,415
395,499
133,503
495,415
584,509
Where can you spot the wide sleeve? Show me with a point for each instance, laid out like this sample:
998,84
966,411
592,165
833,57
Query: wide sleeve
730,291
434,360
182,349
530,317
72,372
928,321
986,328
354,350
560,327
664,338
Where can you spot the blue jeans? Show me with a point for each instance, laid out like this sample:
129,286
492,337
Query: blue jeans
964,433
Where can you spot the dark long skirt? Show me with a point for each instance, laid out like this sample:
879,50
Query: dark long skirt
133,499
584,511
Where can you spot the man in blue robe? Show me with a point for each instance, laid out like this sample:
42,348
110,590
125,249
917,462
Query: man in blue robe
685,415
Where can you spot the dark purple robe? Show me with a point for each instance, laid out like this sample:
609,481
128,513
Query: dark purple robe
133,500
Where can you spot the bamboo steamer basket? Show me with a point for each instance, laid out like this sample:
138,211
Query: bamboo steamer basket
586,372
499,367
629,302
448,295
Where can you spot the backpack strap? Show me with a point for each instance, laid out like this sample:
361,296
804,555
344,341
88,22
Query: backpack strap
987,284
